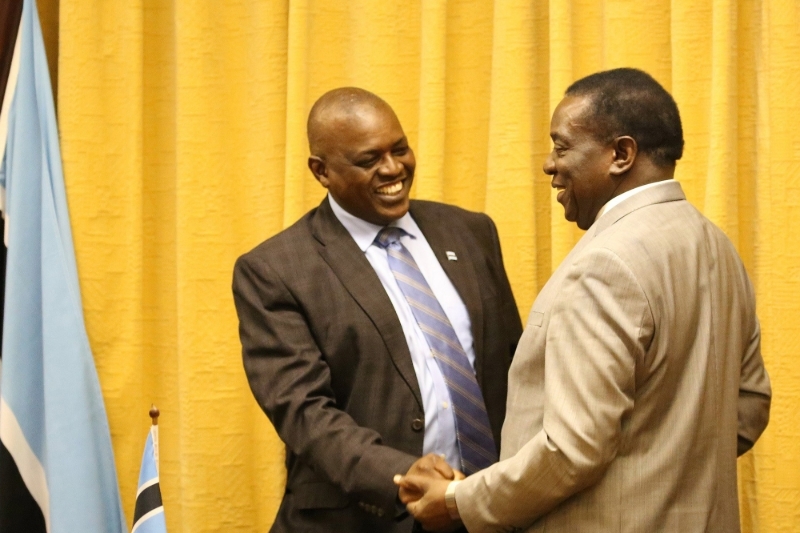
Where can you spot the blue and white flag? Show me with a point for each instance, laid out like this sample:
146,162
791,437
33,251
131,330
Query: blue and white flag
53,424
149,514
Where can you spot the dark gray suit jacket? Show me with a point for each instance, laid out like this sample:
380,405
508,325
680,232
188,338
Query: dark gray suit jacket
328,362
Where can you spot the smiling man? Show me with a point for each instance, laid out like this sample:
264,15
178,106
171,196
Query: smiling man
353,319
638,379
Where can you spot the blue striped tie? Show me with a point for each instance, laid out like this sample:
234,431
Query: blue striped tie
475,441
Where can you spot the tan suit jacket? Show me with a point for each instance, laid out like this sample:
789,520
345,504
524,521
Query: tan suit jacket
637,374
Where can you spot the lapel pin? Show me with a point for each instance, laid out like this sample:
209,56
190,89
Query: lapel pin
451,256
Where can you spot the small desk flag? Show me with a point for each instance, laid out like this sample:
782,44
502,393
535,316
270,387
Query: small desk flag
149,514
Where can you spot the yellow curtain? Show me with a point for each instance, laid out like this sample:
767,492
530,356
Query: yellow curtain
182,127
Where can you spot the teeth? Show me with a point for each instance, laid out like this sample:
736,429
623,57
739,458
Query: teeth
391,189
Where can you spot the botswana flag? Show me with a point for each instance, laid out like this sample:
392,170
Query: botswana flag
57,471
149,514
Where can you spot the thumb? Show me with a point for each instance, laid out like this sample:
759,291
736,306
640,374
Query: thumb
413,483
407,490
444,469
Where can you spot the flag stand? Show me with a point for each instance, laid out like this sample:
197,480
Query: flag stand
148,517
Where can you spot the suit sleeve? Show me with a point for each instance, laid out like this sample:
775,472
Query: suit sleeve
483,228
598,329
291,380
754,388
505,294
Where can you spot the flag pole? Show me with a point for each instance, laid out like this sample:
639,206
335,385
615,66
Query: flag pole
154,414
148,516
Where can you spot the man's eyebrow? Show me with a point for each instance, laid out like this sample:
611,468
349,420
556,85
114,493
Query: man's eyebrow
369,152
377,151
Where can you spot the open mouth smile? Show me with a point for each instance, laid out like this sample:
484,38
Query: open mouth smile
390,188
561,191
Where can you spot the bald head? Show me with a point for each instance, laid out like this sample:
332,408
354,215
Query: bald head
337,109
360,153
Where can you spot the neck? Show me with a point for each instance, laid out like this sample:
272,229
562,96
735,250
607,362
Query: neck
644,171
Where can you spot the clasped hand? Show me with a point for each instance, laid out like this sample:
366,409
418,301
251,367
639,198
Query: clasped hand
422,491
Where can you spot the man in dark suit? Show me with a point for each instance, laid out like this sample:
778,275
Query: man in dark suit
335,355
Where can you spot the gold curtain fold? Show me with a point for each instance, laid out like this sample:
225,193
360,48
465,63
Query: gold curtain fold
183,138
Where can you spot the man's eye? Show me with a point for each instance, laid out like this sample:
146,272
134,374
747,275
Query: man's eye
367,163
400,150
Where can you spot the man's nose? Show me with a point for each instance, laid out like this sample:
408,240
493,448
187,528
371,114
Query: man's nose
390,166
549,166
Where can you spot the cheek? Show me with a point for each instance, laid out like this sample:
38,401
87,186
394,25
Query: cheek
566,170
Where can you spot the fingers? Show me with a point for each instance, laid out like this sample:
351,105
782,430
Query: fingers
406,496
411,507
432,465
410,489
458,475
441,466
412,482
412,485
430,509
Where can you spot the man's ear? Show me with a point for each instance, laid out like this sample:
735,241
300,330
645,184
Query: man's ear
625,151
317,166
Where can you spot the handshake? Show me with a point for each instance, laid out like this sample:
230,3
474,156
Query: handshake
422,490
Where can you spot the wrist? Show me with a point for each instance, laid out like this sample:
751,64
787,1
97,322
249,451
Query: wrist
450,500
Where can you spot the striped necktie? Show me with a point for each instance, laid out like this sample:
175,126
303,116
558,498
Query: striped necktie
475,441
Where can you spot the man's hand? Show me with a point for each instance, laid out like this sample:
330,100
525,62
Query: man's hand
430,509
431,466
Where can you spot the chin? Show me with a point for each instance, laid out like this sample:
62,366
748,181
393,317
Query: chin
395,215
397,210
383,217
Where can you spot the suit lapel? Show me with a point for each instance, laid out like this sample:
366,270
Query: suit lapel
443,238
347,261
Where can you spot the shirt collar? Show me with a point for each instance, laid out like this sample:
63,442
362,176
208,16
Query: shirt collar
627,194
364,232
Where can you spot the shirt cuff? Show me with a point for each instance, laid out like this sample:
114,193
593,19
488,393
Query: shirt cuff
450,500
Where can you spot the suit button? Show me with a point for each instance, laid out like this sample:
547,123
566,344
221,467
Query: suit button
417,424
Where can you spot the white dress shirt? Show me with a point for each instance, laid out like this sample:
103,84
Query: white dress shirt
627,194
440,426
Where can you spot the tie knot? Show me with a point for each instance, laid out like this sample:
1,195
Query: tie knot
389,235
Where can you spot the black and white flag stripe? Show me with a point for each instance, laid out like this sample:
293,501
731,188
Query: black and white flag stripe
148,502
148,517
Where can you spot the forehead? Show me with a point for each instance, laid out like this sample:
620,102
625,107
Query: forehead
363,123
569,118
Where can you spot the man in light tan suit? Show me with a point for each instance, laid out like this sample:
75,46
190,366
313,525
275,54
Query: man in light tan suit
639,378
